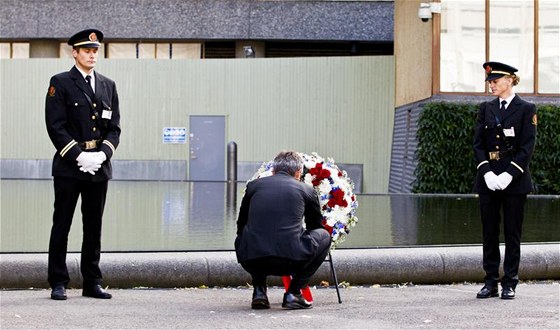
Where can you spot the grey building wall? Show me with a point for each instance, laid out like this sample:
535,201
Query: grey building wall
199,19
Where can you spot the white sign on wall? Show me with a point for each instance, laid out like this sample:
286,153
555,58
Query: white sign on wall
174,135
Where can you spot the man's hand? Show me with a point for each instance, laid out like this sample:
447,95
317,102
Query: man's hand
492,181
504,180
88,162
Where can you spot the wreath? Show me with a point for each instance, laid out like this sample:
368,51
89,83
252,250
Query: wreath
335,191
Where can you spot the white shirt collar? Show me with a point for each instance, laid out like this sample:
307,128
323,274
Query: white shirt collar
91,75
508,100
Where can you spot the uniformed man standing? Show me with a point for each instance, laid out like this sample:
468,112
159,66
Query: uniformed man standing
82,118
504,140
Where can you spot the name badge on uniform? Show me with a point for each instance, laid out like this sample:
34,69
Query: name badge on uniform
509,132
106,114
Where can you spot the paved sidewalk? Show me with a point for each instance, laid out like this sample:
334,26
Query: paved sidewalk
365,307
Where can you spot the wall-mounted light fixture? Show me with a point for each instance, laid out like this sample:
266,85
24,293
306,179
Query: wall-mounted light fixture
427,8
249,51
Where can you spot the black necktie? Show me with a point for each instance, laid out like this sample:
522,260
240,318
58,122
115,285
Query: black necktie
503,109
88,80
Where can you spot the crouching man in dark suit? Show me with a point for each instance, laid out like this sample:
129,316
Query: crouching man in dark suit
271,239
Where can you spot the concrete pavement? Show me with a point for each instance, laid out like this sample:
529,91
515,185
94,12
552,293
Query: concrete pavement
363,307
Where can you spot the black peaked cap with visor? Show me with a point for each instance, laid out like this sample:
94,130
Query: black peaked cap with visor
89,38
495,70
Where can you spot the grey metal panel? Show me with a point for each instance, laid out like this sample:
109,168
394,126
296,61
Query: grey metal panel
195,20
141,170
403,159
339,107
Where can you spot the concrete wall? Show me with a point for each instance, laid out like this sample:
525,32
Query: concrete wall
413,54
197,20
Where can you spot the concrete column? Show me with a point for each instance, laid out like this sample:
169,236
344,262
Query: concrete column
44,49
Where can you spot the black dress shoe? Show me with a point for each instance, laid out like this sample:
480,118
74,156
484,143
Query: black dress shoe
295,301
508,293
58,292
260,299
487,292
96,291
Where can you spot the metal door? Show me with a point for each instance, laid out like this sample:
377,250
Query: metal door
207,154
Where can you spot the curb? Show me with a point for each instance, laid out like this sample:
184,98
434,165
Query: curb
419,265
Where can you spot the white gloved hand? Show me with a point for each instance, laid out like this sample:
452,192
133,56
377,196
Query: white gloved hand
100,156
504,180
492,181
88,162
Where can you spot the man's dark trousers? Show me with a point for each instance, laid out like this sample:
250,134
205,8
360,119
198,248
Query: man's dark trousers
301,270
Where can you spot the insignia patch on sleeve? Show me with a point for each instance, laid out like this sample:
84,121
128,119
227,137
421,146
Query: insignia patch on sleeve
534,121
52,91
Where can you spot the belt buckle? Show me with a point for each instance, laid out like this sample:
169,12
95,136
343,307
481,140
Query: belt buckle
91,144
494,155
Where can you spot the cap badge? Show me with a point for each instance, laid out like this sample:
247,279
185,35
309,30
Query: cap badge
488,69
92,36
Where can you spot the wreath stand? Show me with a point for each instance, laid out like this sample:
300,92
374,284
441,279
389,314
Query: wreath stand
306,292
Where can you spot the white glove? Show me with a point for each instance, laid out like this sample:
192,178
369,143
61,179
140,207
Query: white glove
504,180
492,181
88,162
100,156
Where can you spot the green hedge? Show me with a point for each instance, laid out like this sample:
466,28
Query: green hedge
445,157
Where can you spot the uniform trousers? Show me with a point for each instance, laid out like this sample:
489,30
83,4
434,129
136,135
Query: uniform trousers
492,206
300,270
93,195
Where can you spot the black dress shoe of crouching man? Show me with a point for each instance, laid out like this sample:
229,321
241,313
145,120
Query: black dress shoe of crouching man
295,301
487,291
96,291
260,299
58,292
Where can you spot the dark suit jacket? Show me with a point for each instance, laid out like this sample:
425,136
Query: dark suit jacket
270,219
521,116
71,120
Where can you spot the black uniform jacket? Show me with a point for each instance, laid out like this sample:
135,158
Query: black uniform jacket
72,119
520,122
270,219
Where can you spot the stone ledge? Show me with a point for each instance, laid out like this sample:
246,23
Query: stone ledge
420,265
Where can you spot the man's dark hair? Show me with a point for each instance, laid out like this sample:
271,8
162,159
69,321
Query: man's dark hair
287,161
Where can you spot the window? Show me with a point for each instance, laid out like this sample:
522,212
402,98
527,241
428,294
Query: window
511,38
473,31
14,50
155,50
179,51
549,47
462,46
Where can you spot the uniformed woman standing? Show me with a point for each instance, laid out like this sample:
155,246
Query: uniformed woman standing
504,140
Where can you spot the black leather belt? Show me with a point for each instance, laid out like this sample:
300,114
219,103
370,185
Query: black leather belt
496,155
88,145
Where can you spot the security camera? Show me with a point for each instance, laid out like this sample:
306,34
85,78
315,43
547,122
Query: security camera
424,12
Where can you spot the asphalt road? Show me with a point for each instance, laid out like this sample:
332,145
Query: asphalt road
536,306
